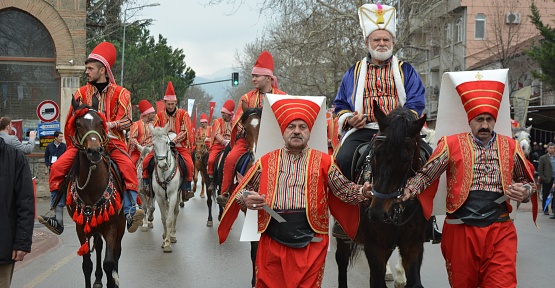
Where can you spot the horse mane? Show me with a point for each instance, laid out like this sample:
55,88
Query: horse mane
249,112
401,119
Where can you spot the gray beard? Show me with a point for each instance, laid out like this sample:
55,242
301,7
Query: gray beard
380,56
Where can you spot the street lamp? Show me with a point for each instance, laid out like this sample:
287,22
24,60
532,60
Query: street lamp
125,25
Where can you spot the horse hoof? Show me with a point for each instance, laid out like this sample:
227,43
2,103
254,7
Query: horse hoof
144,228
150,225
167,249
201,195
97,285
173,240
209,224
181,204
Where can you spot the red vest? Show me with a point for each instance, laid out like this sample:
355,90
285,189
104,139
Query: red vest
460,170
318,197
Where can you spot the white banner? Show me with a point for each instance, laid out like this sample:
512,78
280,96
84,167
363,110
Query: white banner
190,105
521,99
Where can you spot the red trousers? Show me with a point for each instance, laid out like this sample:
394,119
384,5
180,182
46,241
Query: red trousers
480,257
232,158
61,167
135,155
280,266
214,150
183,152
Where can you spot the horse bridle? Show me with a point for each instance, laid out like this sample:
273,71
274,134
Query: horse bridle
369,160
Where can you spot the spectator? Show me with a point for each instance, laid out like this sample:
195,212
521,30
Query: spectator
17,210
6,127
54,150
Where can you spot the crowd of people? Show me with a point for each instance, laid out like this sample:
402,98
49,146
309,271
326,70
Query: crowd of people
298,182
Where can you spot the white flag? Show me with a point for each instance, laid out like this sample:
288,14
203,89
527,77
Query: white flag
190,105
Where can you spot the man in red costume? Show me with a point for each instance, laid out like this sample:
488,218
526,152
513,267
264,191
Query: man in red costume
221,135
204,130
139,133
180,125
293,253
264,83
484,171
115,102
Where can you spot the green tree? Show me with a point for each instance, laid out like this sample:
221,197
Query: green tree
544,51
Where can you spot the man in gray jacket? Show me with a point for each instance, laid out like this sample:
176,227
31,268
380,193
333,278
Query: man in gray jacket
6,127
546,171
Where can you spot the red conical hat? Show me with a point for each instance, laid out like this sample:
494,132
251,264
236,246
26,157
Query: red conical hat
203,118
105,52
287,110
482,94
145,107
170,93
265,66
229,107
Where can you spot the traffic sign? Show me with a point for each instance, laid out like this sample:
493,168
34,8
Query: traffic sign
48,111
46,133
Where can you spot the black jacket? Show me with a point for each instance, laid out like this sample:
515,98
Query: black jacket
17,203
52,150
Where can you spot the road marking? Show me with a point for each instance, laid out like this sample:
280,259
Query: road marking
48,272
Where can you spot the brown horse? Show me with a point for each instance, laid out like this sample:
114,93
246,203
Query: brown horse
200,159
94,196
392,157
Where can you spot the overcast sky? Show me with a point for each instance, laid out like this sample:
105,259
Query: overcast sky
208,35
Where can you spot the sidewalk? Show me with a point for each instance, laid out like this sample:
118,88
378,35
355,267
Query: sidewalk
43,239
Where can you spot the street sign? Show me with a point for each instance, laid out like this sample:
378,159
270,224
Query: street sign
48,111
46,133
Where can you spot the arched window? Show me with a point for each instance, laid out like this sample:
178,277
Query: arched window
480,27
459,30
27,66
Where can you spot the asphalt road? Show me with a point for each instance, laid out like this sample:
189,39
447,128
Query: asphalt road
199,261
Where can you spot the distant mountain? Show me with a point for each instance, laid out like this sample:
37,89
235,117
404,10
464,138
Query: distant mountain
218,91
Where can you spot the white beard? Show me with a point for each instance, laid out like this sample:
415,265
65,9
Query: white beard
380,56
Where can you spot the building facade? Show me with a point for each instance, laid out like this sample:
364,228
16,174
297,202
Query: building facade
462,35
42,54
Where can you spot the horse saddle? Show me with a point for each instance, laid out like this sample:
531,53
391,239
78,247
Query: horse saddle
241,165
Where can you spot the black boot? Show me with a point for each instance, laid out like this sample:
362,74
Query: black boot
186,192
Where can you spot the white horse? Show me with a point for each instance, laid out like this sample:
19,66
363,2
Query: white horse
147,200
522,137
165,183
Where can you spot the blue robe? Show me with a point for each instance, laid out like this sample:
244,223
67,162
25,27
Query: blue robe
414,89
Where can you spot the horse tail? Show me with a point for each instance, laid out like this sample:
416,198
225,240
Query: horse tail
355,251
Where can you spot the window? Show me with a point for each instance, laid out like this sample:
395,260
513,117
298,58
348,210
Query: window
459,28
27,66
480,27
448,34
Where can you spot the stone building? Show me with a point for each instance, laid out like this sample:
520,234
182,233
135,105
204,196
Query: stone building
42,55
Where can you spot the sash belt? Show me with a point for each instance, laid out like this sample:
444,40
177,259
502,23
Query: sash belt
295,232
481,209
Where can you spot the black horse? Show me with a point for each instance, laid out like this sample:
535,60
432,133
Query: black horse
391,157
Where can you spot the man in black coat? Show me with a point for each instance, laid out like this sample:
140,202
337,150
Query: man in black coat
17,210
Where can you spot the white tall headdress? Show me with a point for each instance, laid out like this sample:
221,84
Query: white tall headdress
375,16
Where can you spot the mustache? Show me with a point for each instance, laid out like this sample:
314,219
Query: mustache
296,136
484,130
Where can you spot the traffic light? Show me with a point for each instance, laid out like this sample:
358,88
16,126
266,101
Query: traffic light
235,79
